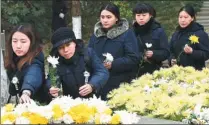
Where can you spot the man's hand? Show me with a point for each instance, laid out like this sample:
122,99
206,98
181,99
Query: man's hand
85,90
54,91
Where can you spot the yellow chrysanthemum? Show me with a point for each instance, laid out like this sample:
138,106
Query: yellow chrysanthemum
115,119
81,113
9,107
194,39
108,111
58,113
97,119
35,118
9,116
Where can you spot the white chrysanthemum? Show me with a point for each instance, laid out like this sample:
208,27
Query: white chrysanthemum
67,119
57,121
186,121
20,108
148,45
22,120
91,120
7,122
62,15
98,103
109,57
128,118
53,60
205,114
103,118
15,80
197,109
147,89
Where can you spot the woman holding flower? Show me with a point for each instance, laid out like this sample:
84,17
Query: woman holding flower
79,76
152,39
24,62
190,43
116,46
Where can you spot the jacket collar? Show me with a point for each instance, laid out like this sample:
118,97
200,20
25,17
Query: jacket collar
112,33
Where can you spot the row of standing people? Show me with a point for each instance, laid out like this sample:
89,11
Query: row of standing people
136,51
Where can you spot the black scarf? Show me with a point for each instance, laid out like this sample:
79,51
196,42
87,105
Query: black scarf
143,29
72,60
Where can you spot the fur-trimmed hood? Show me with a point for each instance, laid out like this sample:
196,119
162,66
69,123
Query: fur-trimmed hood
117,30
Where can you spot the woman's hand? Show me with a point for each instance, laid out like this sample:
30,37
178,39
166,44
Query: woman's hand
54,91
25,97
108,65
188,49
85,90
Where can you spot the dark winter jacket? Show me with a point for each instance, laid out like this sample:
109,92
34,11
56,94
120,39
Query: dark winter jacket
31,77
121,43
71,73
151,33
200,50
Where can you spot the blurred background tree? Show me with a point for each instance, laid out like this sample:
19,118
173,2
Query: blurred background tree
39,13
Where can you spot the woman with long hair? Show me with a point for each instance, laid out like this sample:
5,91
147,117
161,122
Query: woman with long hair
24,62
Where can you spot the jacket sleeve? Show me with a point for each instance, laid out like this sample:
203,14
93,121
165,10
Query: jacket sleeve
33,78
90,43
131,54
202,50
163,52
100,75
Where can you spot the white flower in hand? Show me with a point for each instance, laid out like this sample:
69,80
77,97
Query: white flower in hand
62,15
53,60
148,45
15,80
109,57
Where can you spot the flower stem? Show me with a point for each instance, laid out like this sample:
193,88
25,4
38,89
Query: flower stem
178,58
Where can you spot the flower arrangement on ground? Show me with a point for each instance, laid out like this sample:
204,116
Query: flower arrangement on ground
64,109
170,93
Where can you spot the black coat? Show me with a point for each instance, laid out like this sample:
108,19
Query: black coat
71,73
121,43
58,6
200,50
152,33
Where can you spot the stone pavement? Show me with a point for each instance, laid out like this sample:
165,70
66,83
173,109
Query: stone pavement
147,120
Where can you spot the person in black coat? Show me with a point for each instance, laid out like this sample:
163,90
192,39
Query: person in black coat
152,39
184,52
113,36
73,64
24,63
59,10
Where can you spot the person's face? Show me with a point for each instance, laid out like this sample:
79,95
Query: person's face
67,50
107,19
184,19
142,18
20,43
